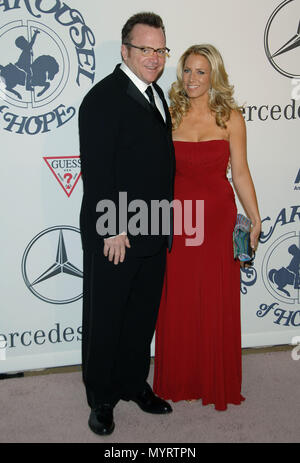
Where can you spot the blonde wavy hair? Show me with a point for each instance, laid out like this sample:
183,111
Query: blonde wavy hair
221,101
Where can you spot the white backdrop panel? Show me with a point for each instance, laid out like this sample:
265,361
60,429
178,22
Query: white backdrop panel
40,318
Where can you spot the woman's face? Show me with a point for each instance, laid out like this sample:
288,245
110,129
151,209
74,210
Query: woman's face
196,76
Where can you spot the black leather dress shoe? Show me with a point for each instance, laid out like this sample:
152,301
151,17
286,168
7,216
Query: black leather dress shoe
150,403
101,420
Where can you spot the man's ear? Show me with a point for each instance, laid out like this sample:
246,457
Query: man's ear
124,52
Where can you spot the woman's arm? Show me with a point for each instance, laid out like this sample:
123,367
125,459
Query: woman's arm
241,177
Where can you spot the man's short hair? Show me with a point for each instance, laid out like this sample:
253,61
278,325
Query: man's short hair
149,19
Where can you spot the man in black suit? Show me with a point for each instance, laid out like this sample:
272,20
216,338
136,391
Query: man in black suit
126,147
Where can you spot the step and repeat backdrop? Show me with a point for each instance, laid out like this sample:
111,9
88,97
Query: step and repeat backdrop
51,53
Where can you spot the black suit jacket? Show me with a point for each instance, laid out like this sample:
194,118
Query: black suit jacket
124,147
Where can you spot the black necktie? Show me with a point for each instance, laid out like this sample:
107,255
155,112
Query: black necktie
150,95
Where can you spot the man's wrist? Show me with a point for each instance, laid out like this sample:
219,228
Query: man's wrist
123,233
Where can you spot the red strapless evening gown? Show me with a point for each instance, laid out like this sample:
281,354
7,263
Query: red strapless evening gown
198,333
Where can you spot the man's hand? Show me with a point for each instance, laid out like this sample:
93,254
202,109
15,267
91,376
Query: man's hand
114,248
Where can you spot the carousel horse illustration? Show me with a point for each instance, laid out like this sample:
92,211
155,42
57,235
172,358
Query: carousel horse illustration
26,73
289,275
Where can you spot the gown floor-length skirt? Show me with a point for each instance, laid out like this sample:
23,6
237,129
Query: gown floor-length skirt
198,332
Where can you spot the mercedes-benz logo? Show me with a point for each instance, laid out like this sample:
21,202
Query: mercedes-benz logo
282,49
50,269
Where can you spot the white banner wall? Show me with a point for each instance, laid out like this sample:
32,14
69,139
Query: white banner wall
51,53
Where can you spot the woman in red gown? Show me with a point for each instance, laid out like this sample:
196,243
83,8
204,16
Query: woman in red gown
198,334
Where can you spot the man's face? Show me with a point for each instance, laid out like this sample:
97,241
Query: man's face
147,68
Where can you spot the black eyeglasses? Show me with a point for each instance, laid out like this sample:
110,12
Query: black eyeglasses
149,51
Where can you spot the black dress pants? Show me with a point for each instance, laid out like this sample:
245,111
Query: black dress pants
120,307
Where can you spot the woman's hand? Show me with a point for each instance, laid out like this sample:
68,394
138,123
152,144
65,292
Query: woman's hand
254,235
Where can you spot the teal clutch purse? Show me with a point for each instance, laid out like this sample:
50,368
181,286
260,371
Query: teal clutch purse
241,239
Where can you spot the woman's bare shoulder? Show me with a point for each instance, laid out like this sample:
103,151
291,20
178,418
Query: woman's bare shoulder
236,121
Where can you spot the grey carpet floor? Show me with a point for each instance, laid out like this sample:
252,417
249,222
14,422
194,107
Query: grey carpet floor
52,408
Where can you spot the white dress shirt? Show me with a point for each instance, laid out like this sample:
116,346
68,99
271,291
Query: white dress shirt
142,86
